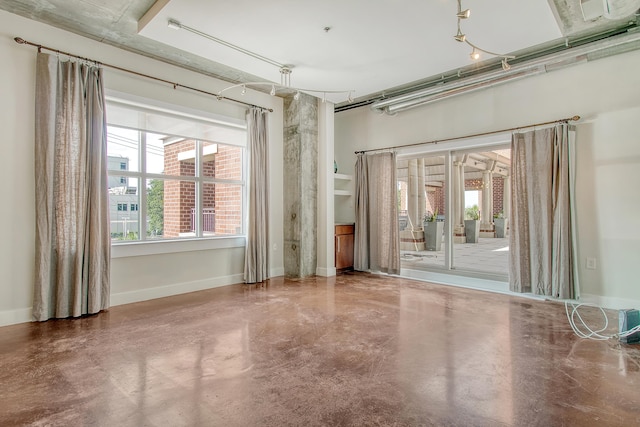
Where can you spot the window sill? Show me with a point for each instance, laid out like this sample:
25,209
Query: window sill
132,249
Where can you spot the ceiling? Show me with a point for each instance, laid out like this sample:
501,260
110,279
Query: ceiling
367,46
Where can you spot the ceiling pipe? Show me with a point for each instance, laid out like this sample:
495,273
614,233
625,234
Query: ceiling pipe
591,51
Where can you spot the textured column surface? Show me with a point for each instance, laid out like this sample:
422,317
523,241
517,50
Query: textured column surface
421,191
486,210
300,185
413,194
458,201
458,195
506,197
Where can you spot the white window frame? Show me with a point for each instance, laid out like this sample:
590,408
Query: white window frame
145,246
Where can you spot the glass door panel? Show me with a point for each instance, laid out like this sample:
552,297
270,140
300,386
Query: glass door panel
422,210
480,199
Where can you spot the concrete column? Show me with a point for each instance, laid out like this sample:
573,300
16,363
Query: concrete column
455,187
422,202
458,201
300,185
413,194
486,210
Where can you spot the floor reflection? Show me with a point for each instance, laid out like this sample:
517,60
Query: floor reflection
357,349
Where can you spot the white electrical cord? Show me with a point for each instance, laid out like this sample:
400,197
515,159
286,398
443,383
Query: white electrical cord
590,333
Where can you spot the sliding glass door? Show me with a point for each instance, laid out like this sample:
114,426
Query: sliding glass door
454,210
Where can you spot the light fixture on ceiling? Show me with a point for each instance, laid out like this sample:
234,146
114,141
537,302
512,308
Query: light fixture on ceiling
475,53
463,14
285,70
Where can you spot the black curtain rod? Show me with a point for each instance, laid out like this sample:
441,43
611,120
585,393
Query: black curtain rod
574,119
174,84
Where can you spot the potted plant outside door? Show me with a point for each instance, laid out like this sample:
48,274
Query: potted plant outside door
432,231
472,224
500,224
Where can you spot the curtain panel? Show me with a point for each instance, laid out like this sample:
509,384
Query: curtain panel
73,242
256,260
541,255
377,236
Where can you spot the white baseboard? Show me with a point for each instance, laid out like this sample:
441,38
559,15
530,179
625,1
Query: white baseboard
11,317
175,289
276,272
610,302
325,272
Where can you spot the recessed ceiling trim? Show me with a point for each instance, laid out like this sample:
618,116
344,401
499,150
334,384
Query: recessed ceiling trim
151,14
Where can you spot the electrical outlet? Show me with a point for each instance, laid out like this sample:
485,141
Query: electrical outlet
591,263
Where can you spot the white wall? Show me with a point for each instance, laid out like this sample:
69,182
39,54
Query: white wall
133,278
606,94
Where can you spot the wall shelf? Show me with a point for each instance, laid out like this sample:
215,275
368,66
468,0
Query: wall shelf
342,183
342,177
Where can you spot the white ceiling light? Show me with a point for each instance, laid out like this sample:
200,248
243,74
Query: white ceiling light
475,53
285,70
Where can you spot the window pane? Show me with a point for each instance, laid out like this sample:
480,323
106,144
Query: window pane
221,161
171,156
124,221
122,152
221,209
171,208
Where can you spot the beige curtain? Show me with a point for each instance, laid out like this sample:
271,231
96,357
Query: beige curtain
541,254
256,260
377,236
73,241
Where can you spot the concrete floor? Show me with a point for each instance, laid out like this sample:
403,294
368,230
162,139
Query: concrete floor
354,350
487,256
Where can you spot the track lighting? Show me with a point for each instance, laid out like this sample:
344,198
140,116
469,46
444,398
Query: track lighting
475,53
173,24
285,70
464,14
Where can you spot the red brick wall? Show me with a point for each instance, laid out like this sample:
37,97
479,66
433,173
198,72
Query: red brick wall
435,199
498,194
224,200
179,196
228,197
498,191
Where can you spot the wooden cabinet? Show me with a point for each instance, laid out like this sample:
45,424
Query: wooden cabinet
344,237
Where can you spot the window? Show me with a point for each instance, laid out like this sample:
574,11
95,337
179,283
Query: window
176,187
123,180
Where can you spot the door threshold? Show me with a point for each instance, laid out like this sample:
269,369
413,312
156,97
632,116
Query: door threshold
476,283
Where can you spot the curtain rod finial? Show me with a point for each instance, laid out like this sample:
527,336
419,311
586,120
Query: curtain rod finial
19,40
575,118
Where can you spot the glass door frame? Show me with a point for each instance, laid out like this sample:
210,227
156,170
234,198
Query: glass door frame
448,150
